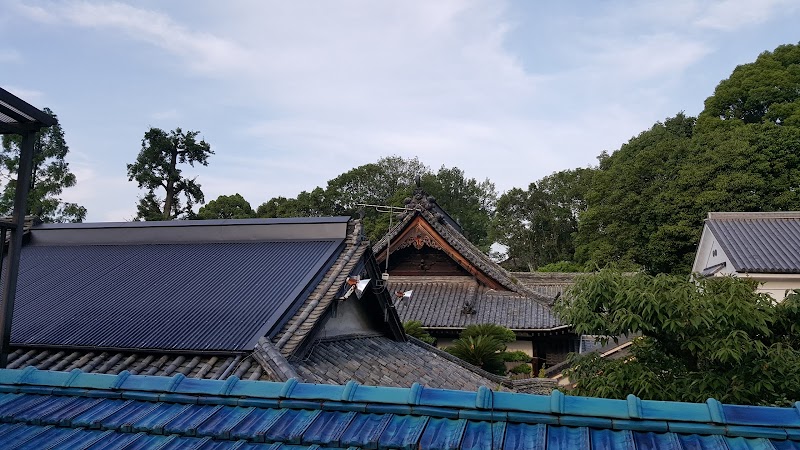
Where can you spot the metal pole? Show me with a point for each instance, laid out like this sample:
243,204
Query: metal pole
15,244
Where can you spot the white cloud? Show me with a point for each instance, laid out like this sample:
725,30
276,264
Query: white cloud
9,56
203,52
729,15
646,56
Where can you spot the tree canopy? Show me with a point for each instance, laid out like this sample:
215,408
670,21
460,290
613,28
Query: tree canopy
537,224
226,207
157,168
713,337
51,175
388,182
647,200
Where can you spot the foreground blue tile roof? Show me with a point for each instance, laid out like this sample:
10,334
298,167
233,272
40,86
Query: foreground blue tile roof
41,409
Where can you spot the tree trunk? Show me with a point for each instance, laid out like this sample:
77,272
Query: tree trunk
173,161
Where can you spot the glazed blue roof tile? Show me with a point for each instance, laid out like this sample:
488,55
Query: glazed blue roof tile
41,409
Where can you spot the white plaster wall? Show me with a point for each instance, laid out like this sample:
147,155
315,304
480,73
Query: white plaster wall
710,253
525,346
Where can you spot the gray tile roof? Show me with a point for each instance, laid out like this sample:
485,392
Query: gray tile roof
440,303
759,242
379,361
212,367
422,205
193,296
551,284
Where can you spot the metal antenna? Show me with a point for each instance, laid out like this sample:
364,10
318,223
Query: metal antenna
391,210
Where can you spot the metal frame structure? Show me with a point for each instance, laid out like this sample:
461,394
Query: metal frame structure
16,117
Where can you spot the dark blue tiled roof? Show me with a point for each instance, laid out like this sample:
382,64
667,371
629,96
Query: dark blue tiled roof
196,296
78,410
759,242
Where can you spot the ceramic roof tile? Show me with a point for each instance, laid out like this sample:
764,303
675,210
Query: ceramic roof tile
137,363
759,242
379,361
425,206
42,411
442,304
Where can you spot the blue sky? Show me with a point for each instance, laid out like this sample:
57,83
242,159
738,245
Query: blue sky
291,94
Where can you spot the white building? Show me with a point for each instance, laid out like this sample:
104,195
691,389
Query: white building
764,246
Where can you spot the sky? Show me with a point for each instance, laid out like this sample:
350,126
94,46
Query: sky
291,94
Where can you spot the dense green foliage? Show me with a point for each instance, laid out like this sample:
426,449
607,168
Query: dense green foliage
414,329
537,224
226,207
156,168
51,175
484,345
647,200
482,351
714,337
516,356
522,368
389,182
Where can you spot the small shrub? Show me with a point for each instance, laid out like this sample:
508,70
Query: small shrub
522,368
497,332
562,266
516,356
414,329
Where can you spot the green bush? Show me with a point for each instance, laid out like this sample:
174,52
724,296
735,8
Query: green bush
482,351
522,368
414,329
562,266
499,333
516,356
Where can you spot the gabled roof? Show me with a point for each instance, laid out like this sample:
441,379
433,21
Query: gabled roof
78,410
423,207
759,242
202,286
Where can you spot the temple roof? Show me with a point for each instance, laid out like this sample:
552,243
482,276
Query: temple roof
424,207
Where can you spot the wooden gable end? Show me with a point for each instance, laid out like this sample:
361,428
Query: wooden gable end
421,251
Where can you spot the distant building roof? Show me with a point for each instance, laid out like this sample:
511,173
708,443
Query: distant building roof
765,242
425,207
42,409
441,303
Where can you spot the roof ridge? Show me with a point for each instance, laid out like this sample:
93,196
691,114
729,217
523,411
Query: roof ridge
753,215
633,413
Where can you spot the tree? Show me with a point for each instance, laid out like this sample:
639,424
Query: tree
537,225
483,345
51,175
634,208
226,207
470,202
482,351
714,337
156,168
